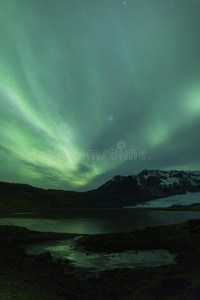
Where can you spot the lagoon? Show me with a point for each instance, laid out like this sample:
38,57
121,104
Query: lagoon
96,221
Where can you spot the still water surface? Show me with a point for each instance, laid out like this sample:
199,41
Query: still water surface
96,262
92,221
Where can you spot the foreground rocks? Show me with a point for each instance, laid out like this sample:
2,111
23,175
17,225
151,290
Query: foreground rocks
26,277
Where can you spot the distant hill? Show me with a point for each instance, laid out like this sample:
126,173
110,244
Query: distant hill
118,192
25,197
148,185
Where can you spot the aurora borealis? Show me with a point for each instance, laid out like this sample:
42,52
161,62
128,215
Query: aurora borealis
81,77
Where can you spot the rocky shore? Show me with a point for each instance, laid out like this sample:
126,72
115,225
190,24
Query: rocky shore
24,276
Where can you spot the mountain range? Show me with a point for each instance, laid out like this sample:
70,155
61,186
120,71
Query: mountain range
118,192
148,185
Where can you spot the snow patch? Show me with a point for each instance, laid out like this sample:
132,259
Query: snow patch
185,199
170,180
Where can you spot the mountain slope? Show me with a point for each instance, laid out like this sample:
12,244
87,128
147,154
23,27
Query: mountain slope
20,197
117,192
148,185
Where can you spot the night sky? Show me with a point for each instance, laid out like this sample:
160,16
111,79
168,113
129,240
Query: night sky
94,88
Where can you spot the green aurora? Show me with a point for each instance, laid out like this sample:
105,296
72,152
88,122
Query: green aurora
80,79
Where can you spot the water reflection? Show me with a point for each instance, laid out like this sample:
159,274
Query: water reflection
91,221
102,261
81,226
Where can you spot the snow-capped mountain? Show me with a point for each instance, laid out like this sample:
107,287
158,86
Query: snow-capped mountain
148,185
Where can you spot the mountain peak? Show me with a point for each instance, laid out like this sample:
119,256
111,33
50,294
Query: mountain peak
148,185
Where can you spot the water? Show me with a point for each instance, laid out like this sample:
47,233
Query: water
92,221
96,262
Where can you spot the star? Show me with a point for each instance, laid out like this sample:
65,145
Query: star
110,118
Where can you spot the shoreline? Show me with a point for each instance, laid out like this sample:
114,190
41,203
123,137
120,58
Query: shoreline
41,278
